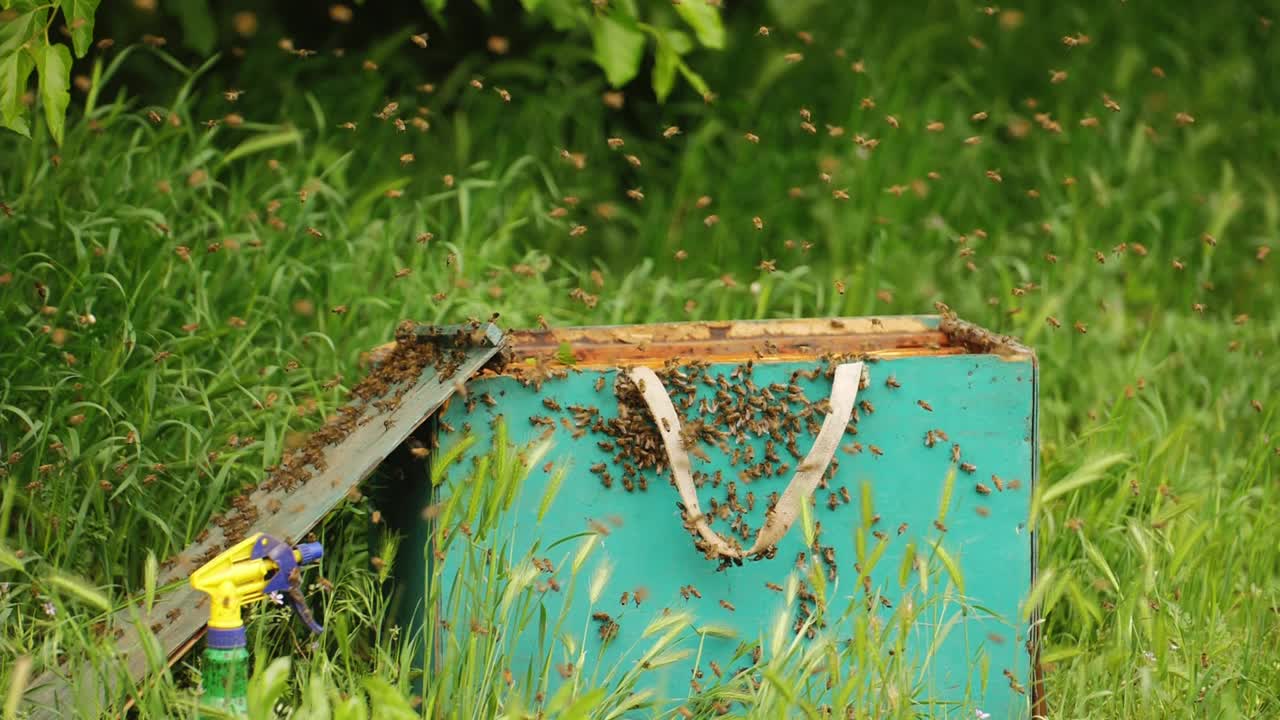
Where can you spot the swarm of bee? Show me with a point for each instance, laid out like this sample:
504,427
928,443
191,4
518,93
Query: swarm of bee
730,414
607,627
725,413
380,392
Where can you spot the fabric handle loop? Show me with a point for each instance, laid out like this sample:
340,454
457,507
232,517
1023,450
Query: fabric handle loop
844,393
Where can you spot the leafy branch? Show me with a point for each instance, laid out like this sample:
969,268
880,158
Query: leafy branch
25,47
619,37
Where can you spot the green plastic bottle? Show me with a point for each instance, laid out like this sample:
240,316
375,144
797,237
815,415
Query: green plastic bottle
225,683
256,568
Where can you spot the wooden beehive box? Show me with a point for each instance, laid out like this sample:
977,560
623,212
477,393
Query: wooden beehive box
938,463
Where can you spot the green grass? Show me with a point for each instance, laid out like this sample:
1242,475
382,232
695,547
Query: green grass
1159,554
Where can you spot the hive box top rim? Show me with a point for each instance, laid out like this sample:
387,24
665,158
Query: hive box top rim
774,340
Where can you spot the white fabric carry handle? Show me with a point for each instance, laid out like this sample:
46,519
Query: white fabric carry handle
844,392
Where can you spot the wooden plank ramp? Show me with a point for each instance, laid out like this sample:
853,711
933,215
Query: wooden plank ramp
287,505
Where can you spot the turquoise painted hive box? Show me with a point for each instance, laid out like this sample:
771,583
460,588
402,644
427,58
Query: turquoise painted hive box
683,513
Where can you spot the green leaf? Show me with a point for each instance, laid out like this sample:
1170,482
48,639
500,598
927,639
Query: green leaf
79,589
386,701
867,504
549,495
694,79
718,631
953,570
671,45
350,708
563,14
80,19
679,39
705,21
9,559
948,486
315,701
619,48
561,699
1090,471
582,707
908,563
434,6
266,687
261,143
1100,561
199,31
151,571
54,65
14,73
1045,580
806,523
19,30
18,679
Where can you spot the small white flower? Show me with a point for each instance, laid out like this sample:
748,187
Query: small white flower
756,288
1150,656
277,598
49,609
981,715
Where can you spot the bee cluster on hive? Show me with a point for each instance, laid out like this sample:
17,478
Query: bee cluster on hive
753,432
379,393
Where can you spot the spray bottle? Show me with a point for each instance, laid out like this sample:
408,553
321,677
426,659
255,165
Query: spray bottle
257,568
